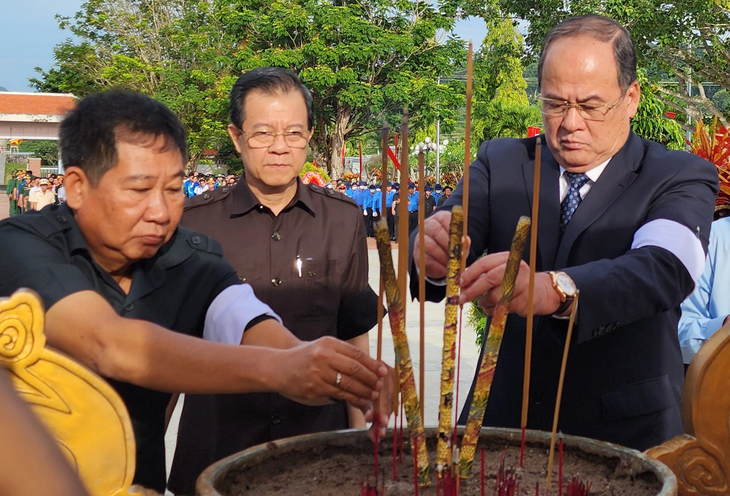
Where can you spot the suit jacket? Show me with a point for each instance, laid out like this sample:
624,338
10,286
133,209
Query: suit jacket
624,374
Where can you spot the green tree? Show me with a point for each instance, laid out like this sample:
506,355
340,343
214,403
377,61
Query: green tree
651,121
364,62
46,150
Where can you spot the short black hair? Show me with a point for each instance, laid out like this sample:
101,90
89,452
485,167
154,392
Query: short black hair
269,80
90,132
602,29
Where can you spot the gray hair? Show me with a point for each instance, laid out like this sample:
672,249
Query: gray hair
602,29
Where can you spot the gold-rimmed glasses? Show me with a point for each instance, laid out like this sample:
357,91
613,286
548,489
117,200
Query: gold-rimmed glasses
264,139
551,107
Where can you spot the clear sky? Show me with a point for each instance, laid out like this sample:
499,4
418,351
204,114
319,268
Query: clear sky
30,31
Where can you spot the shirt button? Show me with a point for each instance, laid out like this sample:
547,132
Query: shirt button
243,279
276,282
275,418
206,196
129,307
312,273
195,240
61,219
276,236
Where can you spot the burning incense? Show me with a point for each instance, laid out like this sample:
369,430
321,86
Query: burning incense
448,356
560,390
530,297
491,351
402,353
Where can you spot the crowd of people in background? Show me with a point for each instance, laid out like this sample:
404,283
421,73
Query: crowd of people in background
369,197
27,192
197,183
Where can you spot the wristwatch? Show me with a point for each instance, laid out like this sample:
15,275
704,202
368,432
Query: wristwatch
565,287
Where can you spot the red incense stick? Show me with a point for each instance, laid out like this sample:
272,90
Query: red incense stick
415,464
481,477
560,466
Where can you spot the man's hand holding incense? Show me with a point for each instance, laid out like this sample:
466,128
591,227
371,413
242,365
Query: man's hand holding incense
483,280
436,241
330,368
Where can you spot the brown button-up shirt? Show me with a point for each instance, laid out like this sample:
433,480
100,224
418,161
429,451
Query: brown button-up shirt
309,264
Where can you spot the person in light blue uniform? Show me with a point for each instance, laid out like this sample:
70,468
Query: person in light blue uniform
412,208
708,307
377,203
349,191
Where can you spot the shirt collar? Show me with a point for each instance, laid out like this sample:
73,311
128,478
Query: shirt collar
592,174
244,200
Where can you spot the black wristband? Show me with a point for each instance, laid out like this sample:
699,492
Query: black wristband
257,320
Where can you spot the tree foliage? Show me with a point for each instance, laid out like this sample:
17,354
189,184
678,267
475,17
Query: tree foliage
651,121
363,61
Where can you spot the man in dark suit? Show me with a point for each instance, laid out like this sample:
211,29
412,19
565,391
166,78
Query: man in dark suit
622,219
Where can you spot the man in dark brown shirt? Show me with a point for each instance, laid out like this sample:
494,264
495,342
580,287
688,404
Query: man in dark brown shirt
303,250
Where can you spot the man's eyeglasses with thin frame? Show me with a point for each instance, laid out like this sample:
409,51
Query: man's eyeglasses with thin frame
551,107
264,139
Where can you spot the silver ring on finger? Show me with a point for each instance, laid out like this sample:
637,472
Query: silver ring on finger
339,379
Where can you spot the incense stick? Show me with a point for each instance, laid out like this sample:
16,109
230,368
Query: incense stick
381,289
396,314
560,389
403,234
446,432
490,356
421,282
530,297
467,149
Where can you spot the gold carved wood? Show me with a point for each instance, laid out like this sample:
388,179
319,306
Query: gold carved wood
701,458
84,414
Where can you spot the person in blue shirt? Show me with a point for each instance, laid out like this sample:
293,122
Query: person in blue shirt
367,205
389,197
437,190
708,307
348,190
358,192
377,202
412,208
191,184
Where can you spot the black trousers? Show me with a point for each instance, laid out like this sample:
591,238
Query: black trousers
412,221
391,223
369,230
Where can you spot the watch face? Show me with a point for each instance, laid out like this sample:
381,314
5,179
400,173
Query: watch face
566,284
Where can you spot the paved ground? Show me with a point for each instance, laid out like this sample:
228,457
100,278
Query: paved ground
433,343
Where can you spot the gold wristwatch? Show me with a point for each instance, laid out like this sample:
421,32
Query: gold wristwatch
565,287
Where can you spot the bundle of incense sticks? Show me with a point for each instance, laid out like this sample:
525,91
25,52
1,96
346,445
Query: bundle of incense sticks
491,353
402,353
448,357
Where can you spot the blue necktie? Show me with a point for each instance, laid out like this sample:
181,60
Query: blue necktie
571,201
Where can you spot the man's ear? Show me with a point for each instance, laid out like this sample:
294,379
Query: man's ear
77,186
236,135
633,95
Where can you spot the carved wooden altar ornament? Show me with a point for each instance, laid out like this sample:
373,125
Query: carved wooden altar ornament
701,458
84,414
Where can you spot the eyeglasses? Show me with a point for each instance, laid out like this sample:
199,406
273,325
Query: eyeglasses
588,111
264,139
